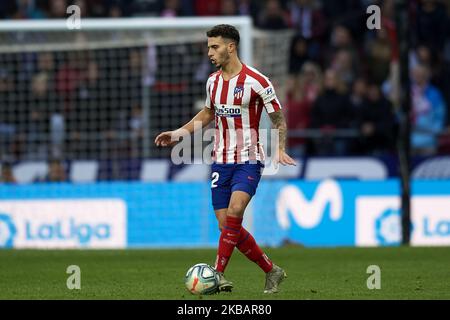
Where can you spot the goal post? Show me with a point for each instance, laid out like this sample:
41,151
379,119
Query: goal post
242,23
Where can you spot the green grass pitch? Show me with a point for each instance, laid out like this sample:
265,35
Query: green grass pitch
334,273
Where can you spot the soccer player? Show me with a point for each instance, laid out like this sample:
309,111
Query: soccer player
235,97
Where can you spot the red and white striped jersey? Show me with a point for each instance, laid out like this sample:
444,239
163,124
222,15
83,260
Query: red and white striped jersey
238,105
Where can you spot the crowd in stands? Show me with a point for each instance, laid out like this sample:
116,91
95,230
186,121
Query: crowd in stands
341,76
345,74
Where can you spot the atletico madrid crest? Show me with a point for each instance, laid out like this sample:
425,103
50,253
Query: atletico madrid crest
238,92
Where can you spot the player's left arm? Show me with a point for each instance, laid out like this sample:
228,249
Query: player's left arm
273,108
279,122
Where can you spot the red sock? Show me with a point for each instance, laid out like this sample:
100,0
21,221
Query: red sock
247,245
228,239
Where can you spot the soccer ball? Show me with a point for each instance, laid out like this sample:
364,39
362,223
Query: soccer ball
201,279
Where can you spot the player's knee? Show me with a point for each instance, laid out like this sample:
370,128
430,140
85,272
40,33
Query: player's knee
235,209
221,224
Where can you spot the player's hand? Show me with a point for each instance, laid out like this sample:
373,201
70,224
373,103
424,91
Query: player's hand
166,139
285,159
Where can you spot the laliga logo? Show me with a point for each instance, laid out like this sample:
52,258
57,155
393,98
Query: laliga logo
388,227
7,231
67,230
308,214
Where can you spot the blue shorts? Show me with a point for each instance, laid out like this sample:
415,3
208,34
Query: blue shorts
227,178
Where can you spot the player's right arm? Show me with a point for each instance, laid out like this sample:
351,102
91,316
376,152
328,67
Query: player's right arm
169,138
203,118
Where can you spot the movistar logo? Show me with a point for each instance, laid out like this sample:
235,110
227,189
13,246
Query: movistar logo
7,231
309,213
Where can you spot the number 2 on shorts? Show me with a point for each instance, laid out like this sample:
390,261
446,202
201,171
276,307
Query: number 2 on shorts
215,177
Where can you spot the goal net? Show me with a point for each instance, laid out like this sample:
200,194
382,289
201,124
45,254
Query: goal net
105,91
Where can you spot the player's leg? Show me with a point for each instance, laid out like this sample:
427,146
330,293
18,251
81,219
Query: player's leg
245,180
221,193
221,216
246,243
230,232
224,284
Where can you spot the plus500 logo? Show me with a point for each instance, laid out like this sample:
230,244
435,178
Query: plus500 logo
83,233
228,111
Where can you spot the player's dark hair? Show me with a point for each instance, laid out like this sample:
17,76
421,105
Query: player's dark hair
225,31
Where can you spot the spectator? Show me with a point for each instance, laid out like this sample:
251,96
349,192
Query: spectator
424,55
88,115
46,64
56,171
84,8
300,97
229,8
346,12
273,16
171,8
358,100
298,54
68,75
9,114
307,20
37,126
57,9
136,128
379,53
101,8
431,24
376,124
429,112
6,174
331,111
420,55
345,68
28,9
140,7
249,8
207,8
341,39
115,11
6,9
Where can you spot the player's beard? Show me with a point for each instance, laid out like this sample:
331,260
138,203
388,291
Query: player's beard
224,59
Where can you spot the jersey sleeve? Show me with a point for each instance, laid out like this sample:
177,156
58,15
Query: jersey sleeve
208,95
269,97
